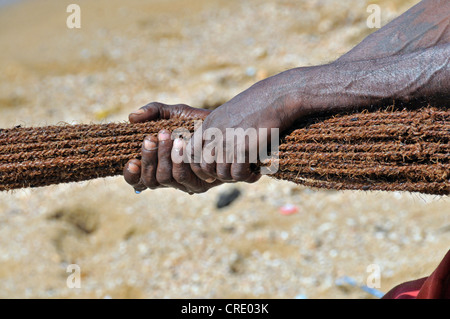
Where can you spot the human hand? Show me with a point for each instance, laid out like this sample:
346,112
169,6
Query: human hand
156,168
240,132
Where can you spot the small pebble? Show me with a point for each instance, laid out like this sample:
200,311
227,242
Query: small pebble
225,199
250,71
288,209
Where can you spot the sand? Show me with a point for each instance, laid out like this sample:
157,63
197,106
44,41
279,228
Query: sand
164,243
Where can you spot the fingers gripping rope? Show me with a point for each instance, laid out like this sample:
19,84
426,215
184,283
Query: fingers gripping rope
401,150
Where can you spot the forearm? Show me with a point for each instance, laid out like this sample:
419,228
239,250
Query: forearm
345,86
423,26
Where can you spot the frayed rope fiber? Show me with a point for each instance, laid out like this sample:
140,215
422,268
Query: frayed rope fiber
388,150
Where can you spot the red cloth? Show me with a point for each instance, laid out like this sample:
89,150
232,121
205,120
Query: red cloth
436,286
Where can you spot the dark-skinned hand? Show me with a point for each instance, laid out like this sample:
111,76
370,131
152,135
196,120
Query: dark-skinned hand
156,168
405,60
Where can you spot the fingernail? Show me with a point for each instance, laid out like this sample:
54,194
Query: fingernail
139,111
178,144
149,145
133,168
210,180
163,135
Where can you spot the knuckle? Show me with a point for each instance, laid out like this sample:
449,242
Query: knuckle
209,169
181,176
153,104
147,162
196,168
223,176
240,174
239,177
164,179
149,182
182,107
253,179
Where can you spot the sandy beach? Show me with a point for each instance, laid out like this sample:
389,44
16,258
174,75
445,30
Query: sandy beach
164,243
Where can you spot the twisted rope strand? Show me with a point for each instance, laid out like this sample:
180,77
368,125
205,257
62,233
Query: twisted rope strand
388,150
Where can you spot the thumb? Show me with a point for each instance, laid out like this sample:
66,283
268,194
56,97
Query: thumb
155,111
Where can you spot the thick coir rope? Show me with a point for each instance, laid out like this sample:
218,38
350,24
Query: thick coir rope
396,150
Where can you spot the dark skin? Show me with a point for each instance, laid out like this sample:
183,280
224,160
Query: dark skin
406,60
